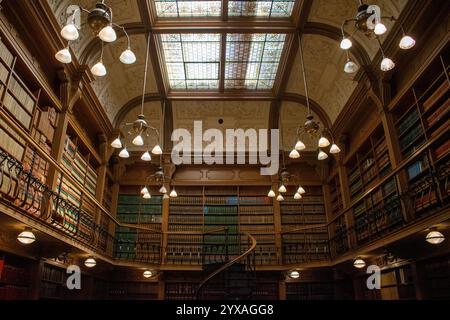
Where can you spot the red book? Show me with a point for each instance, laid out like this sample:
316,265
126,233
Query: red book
2,264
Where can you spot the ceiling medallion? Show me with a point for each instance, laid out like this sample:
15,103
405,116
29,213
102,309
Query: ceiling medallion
100,20
369,21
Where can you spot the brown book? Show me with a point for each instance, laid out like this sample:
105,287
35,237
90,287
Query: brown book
436,95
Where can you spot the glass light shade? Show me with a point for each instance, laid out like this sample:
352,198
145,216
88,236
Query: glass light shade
335,149
107,34
148,274
146,156
294,274
116,144
294,154
300,146
380,29
138,141
64,56
322,156
166,196
128,57
70,32
147,196
271,194
387,64
280,198
90,262
173,194
282,189
157,150
346,44
359,263
324,142
144,190
351,67
99,69
435,237
298,196
124,153
26,237
163,190
301,190
407,43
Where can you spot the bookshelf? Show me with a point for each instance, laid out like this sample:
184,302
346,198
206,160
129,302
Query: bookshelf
14,278
133,290
398,284
26,106
310,291
52,283
308,244
336,202
256,218
133,244
436,274
186,215
368,164
421,116
378,213
339,232
221,210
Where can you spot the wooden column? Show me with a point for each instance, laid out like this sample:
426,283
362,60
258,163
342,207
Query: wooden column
394,149
169,170
282,290
277,222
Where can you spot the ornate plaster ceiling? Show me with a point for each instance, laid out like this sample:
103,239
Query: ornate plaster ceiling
329,86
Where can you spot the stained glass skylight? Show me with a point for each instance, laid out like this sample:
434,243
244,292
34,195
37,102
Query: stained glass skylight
261,8
192,60
187,8
252,60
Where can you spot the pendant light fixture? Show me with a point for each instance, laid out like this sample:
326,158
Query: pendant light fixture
271,194
435,237
359,263
140,128
294,274
90,262
173,193
351,66
100,20
148,274
312,127
369,21
99,69
27,236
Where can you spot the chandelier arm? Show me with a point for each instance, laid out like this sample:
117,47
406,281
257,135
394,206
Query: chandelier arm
125,32
381,47
101,54
344,24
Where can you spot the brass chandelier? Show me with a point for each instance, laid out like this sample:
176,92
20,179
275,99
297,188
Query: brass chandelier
100,21
312,127
369,21
140,129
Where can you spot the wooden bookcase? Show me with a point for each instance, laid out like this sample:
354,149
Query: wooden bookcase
309,244
221,210
369,164
15,274
134,244
186,215
336,203
421,116
315,291
24,104
256,218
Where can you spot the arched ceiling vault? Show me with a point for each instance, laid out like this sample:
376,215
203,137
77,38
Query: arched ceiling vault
120,91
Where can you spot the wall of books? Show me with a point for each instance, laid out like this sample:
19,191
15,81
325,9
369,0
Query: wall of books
421,117
307,244
24,106
138,244
256,218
